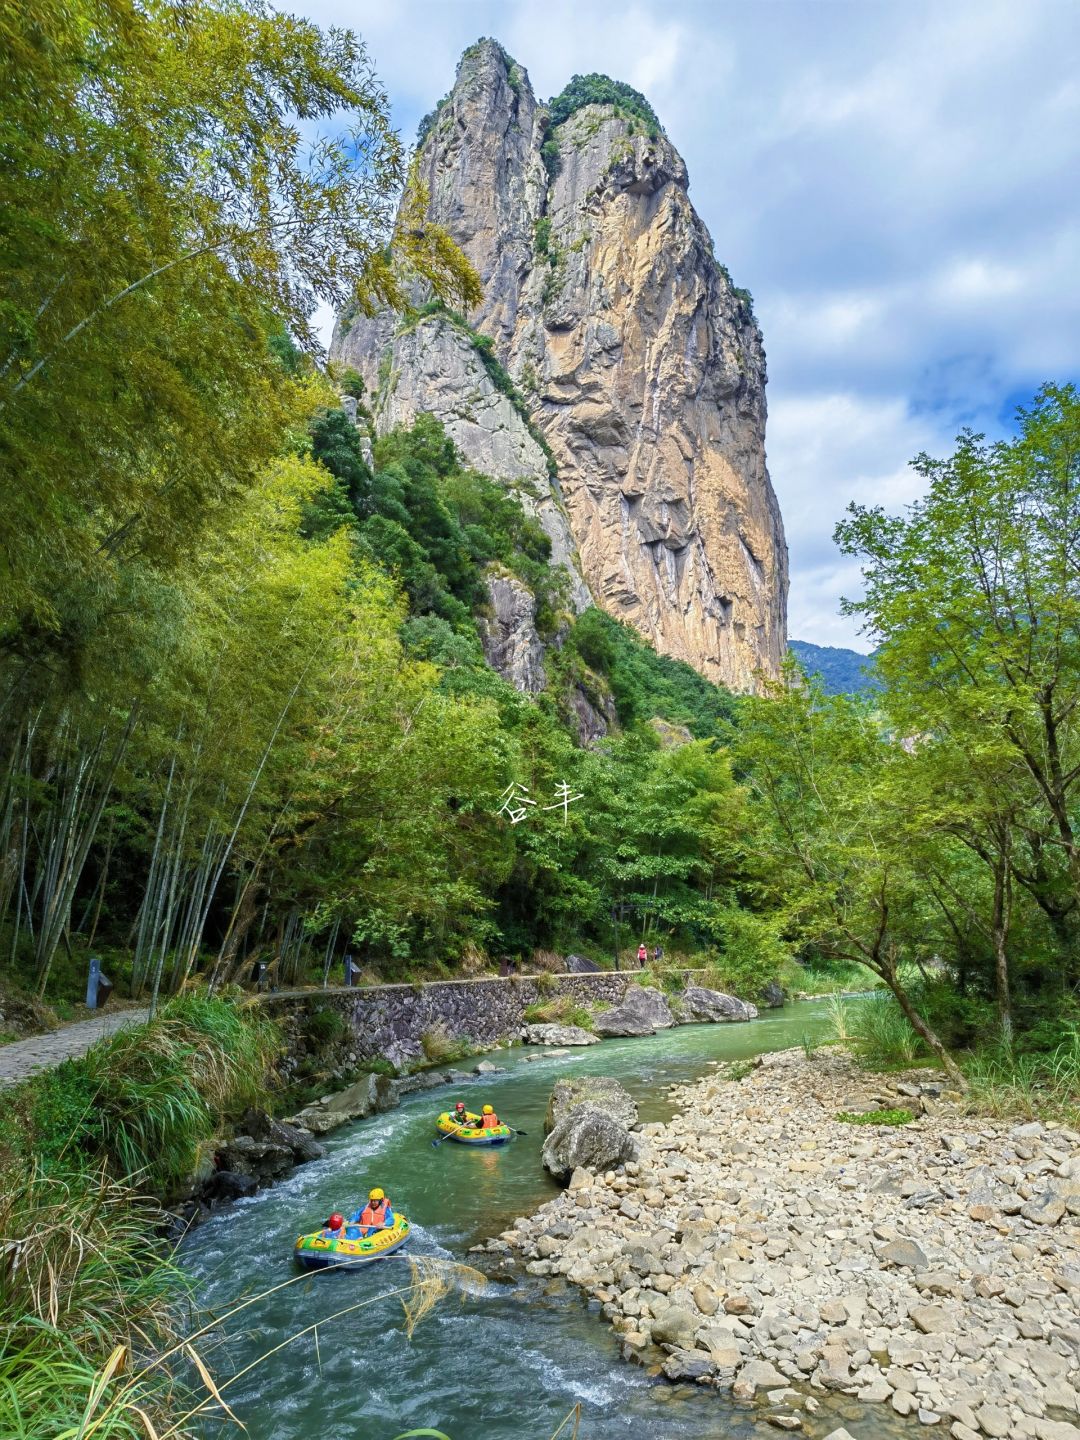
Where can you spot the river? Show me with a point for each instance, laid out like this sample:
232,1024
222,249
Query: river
501,1362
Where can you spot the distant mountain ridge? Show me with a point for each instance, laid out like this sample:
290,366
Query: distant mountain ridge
842,672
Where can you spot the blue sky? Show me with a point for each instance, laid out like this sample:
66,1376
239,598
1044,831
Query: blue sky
896,183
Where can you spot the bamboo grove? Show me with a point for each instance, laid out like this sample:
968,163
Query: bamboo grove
169,206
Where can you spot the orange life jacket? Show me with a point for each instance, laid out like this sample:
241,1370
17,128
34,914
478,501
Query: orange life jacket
489,1122
374,1212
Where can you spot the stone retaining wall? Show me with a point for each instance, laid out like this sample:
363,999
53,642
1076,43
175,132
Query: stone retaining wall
389,1020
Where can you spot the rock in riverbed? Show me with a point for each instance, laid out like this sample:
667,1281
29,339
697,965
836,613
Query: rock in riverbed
715,1006
369,1095
642,1011
599,1091
558,1035
587,1138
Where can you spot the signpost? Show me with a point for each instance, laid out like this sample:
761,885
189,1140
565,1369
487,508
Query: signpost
98,985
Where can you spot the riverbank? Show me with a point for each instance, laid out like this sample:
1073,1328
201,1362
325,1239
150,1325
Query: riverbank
758,1244
92,1305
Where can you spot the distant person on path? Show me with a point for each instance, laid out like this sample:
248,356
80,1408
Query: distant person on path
657,954
642,956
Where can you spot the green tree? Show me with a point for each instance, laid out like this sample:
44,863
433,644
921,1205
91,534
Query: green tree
159,205
825,777
974,596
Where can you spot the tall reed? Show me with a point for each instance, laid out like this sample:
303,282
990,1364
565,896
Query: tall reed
876,1031
1033,1085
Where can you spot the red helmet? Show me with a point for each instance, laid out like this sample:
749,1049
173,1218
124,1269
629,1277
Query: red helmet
335,1222
460,1105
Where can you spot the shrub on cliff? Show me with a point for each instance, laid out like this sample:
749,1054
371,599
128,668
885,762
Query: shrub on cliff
602,90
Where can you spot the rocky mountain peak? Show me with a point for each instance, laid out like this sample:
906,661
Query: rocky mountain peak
635,430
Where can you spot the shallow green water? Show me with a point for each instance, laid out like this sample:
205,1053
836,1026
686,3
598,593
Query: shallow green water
505,1362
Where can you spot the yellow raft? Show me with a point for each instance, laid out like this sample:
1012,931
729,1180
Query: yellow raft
347,1246
472,1133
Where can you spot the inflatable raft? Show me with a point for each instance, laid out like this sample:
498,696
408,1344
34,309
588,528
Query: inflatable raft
472,1133
347,1245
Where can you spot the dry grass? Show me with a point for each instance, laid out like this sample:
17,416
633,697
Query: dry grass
432,1281
560,1010
547,962
439,1045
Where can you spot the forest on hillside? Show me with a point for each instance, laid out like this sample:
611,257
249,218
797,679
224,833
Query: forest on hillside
246,711
841,671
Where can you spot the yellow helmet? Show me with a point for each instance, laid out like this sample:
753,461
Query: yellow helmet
376,1194
488,1110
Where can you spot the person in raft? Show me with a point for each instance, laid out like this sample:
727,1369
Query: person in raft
488,1119
460,1115
642,955
376,1214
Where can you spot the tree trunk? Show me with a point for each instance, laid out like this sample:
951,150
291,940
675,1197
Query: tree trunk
923,1028
1001,920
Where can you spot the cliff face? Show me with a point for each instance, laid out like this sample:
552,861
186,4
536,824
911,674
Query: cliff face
640,367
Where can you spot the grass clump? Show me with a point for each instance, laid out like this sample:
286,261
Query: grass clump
670,982
562,1010
325,1028
85,1286
439,1045
830,977
1032,1084
90,1300
877,1032
147,1101
898,1116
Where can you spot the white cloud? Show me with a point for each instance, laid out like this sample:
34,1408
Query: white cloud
895,183
826,451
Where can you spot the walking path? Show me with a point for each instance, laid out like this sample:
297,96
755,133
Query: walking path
23,1058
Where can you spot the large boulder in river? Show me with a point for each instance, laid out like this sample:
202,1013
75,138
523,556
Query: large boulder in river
640,1012
599,1091
771,996
226,1185
558,1035
589,1138
264,1160
369,1095
715,1006
261,1126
